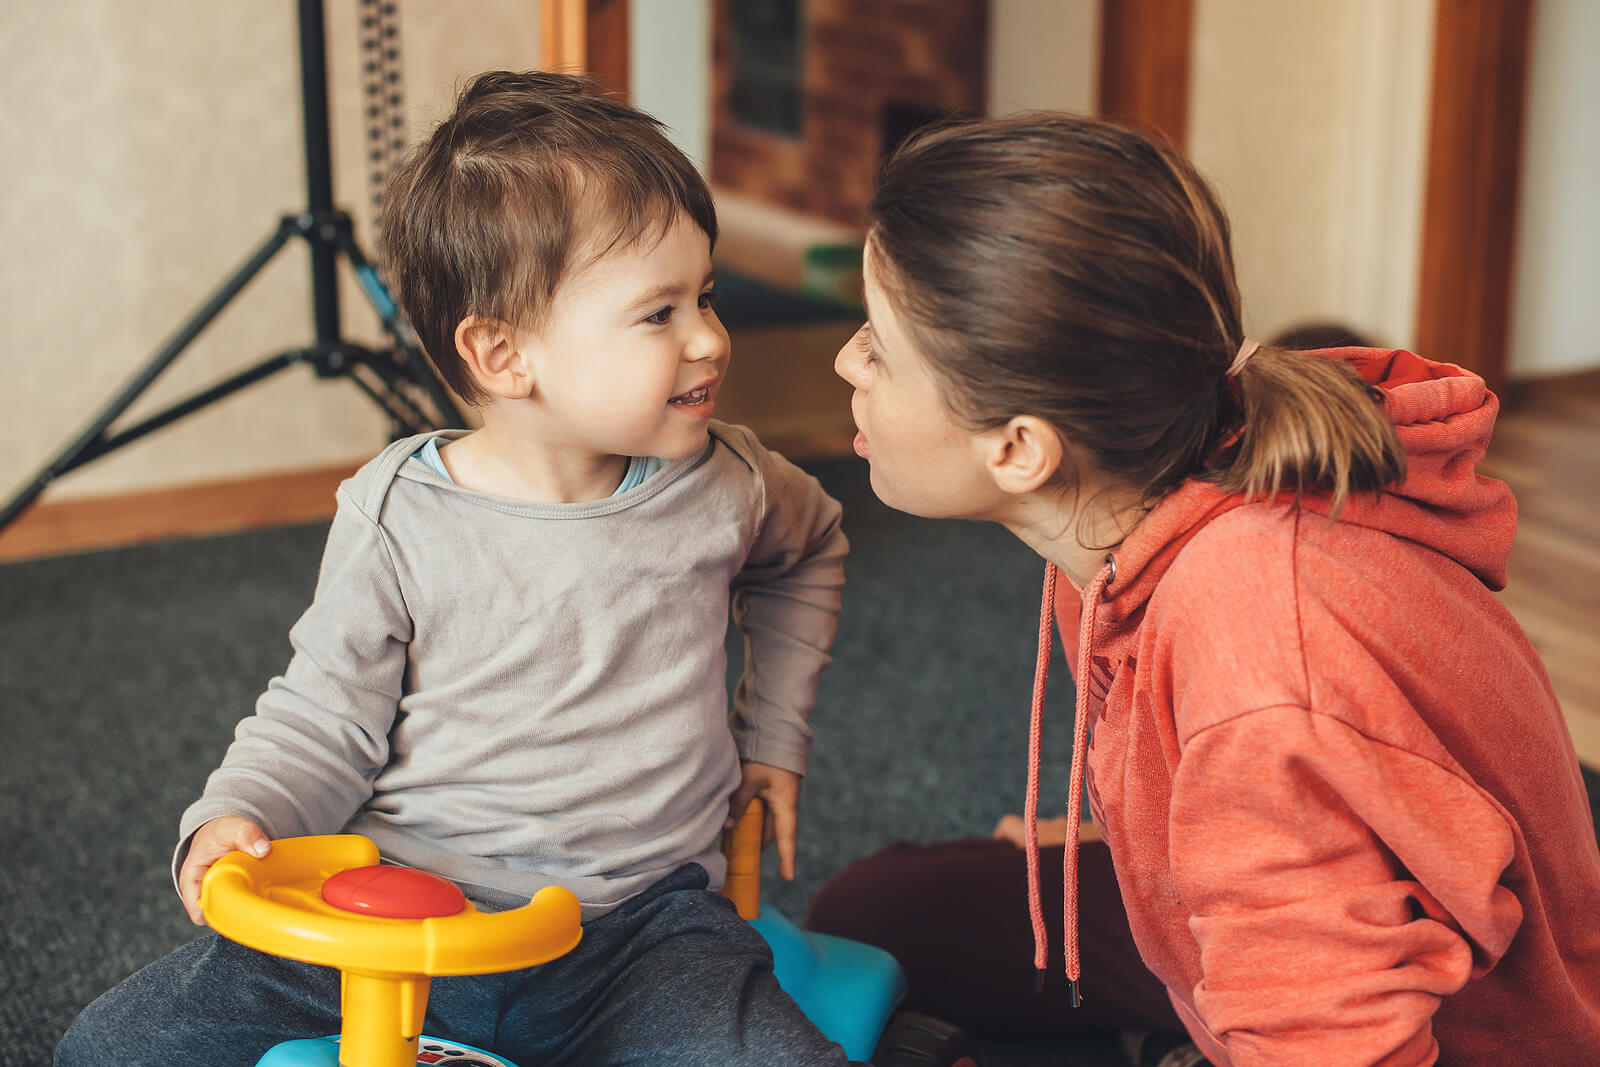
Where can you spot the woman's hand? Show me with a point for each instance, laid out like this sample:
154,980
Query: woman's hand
215,839
781,790
1052,832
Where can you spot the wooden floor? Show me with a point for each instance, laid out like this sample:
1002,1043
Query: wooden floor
1547,448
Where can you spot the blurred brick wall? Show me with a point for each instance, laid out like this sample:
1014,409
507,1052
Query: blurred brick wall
861,63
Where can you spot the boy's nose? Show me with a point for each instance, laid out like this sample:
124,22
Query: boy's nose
709,341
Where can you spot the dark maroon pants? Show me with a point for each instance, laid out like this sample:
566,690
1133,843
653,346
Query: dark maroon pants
955,914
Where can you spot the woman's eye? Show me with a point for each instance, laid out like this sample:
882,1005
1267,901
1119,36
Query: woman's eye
708,299
660,317
864,342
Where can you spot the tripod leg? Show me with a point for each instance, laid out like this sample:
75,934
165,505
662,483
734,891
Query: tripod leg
87,444
418,369
192,404
406,415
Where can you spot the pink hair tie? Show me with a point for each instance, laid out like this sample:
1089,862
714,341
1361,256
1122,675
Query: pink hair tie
1247,348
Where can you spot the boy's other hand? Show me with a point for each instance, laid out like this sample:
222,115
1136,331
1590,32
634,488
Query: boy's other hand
1052,832
781,790
215,839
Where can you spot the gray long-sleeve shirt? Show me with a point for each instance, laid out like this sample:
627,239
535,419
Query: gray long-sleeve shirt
514,695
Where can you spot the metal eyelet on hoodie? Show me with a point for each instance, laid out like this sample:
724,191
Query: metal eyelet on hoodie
1111,560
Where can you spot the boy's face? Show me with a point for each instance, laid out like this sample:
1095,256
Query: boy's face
632,355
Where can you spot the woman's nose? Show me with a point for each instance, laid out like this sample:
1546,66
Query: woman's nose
848,363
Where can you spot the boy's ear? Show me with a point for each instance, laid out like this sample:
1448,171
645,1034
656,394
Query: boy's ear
1023,455
489,348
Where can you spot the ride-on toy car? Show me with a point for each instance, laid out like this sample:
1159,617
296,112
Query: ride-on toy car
389,930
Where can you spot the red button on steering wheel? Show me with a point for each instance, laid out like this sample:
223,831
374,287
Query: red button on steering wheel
393,893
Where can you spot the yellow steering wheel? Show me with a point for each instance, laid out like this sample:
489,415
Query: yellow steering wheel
325,900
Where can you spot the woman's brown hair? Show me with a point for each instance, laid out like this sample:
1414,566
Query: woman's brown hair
1075,270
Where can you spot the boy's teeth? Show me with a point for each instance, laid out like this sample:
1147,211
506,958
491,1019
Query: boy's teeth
694,397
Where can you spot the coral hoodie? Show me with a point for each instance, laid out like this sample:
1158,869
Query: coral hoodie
1345,812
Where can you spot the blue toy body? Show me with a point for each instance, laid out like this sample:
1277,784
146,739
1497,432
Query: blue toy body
324,1052
847,988
294,902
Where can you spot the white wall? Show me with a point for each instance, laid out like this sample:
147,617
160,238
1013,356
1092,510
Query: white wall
149,148
1043,54
1555,321
669,70
1311,119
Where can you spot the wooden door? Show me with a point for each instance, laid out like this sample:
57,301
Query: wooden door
588,37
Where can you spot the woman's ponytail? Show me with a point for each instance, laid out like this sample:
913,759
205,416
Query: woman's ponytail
1310,425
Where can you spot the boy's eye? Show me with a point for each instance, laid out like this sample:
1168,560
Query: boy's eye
660,317
708,299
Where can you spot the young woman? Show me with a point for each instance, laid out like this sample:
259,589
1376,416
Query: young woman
1344,814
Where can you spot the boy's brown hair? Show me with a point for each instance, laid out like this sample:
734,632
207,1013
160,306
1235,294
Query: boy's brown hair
533,177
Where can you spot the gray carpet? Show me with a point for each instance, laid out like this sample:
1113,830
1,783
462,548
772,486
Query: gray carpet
122,674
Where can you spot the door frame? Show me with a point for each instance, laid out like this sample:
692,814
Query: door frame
1482,53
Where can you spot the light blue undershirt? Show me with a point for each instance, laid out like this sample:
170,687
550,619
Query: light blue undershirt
639,467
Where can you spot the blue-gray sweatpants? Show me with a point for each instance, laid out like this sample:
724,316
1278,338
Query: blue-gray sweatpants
671,977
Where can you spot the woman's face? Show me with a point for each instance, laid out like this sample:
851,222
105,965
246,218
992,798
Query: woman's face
924,461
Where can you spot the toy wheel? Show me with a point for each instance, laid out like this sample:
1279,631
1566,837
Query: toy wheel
915,1040
327,900
300,902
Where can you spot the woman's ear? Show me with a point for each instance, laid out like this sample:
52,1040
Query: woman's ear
1024,454
489,348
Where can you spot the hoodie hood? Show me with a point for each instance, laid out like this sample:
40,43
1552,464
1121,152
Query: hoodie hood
1444,416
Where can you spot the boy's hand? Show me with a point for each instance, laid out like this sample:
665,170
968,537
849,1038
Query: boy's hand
781,790
215,839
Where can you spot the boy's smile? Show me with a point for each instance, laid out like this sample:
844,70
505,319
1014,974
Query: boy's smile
695,399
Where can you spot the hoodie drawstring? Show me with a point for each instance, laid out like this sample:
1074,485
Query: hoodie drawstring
1080,736
1030,805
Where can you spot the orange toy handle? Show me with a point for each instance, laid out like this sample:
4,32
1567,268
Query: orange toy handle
742,846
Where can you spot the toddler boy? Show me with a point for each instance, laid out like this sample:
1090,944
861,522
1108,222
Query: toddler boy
512,672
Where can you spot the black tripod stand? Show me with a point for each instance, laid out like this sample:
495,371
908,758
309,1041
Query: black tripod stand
401,381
